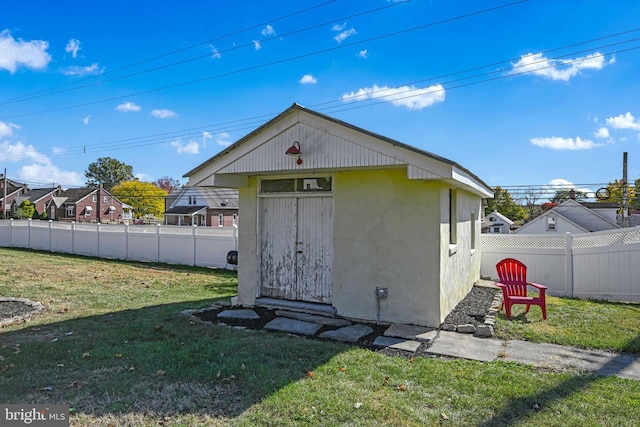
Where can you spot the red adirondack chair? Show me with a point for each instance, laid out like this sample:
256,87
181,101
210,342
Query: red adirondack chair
512,276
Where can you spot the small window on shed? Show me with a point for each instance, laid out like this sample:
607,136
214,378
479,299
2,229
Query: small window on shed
551,223
296,185
220,220
278,186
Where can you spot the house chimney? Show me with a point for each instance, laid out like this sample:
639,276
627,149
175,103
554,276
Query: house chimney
572,194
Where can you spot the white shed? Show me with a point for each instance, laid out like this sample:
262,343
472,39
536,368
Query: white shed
346,214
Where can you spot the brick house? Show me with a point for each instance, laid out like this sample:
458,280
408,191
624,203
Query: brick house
89,204
40,197
9,190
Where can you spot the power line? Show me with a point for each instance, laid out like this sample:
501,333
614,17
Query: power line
39,94
272,63
249,123
157,57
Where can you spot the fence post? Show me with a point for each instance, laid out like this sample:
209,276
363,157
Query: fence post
235,238
50,224
126,242
10,232
194,233
73,237
158,238
29,233
98,237
568,253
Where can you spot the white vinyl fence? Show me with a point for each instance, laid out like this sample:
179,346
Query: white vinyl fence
186,245
600,265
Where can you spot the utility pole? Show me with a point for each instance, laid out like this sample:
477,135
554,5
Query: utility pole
625,192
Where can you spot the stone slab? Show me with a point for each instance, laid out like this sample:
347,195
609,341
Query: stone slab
397,343
314,318
554,356
292,326
466,346
409,332
244,313
348,333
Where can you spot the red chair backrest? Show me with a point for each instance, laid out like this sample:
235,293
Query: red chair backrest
513,274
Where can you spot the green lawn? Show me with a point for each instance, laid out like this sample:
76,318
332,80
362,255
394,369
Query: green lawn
587,324
114,347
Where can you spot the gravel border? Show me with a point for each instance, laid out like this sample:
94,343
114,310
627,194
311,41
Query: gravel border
476,313
14,310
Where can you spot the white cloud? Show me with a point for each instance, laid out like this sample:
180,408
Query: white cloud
223,139
558,143
364,54
190,147
256,44
6,129
50,173
18,152
339,27
128,107
58,150
205,136
345,35
268,31
563,184
142,177
308,79
90,70
85,121
624,121
214,52
404,96
558,69
163,114
603,132
17,53
72,47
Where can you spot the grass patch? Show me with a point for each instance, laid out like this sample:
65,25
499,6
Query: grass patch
114,347
582,323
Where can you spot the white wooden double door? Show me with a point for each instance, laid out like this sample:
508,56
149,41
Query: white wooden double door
296,249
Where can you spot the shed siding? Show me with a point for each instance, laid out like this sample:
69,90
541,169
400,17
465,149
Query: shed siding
460,263
320,150
386,235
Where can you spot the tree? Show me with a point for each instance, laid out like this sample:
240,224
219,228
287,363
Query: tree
531,197
145,197
634,203
26,210
108,172
615,193
565,194
504,203
167,184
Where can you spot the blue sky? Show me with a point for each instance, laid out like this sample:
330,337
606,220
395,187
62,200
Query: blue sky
522,93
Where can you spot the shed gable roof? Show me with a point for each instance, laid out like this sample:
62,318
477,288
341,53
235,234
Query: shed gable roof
327,144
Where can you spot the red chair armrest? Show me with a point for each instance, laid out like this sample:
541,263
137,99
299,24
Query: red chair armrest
536,285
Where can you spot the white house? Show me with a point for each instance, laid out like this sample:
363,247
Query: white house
215,207
495,222
342,219
571,216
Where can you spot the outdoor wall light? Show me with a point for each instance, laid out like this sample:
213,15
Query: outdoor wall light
294,150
